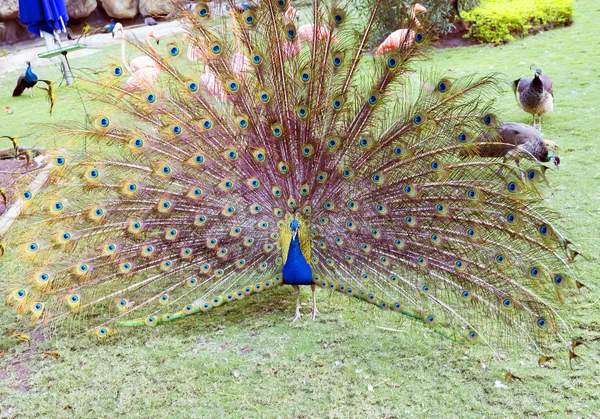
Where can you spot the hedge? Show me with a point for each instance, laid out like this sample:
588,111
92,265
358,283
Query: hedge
503,20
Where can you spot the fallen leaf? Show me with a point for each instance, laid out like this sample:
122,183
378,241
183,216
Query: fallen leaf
21,336
55,354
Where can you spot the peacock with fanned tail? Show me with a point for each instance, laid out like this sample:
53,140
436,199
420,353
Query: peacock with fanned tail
323,164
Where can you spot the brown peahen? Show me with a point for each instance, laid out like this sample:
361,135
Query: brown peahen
308,172
535,96
517,141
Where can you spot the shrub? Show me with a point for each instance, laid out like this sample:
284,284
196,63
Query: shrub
502,20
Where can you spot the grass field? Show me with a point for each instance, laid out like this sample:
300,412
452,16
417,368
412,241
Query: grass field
246,360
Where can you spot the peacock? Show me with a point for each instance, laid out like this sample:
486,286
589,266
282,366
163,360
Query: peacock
28,80
535,96
517,140
309,171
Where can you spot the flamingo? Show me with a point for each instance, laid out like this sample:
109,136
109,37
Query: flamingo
307,33
402,38
291,14
239,61
142,79
138,62
210,83
194,53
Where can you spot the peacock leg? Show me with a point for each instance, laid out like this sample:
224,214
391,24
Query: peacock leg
314,311
31,92
298,316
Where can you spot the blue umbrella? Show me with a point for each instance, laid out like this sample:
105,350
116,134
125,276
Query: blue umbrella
43,15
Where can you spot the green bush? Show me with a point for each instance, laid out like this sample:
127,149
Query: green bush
502,20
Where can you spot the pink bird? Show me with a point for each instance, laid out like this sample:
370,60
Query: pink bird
289,49
402,38
138,62
142,79
210,83
239,63
307,33
291,14
194,53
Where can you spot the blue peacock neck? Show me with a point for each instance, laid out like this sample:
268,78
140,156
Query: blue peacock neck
296,270
30,75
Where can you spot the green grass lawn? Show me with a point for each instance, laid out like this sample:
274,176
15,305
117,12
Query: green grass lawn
246,360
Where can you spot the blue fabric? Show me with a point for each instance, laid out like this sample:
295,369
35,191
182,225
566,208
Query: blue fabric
296,271
43,15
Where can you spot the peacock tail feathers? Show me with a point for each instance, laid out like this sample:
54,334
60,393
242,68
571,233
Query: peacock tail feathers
181,202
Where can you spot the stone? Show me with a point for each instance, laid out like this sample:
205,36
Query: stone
79,9
9,10
155,7
11,33
120,9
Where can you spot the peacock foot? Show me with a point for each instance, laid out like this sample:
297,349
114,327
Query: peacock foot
313,313
297,317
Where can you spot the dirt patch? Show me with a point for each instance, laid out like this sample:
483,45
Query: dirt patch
456,38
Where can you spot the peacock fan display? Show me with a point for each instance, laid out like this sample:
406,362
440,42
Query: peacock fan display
260,151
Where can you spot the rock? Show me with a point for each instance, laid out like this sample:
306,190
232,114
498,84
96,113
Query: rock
155,7
13,32
120,9
9,10
79,9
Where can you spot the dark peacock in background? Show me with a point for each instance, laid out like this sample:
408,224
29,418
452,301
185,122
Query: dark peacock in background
323,165
28,80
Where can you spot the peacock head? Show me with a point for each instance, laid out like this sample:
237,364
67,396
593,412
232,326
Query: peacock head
538,72
294,226
555,160
153,35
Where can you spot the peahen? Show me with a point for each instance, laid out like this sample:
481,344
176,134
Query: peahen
517,141
535,96
28,80
308,172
